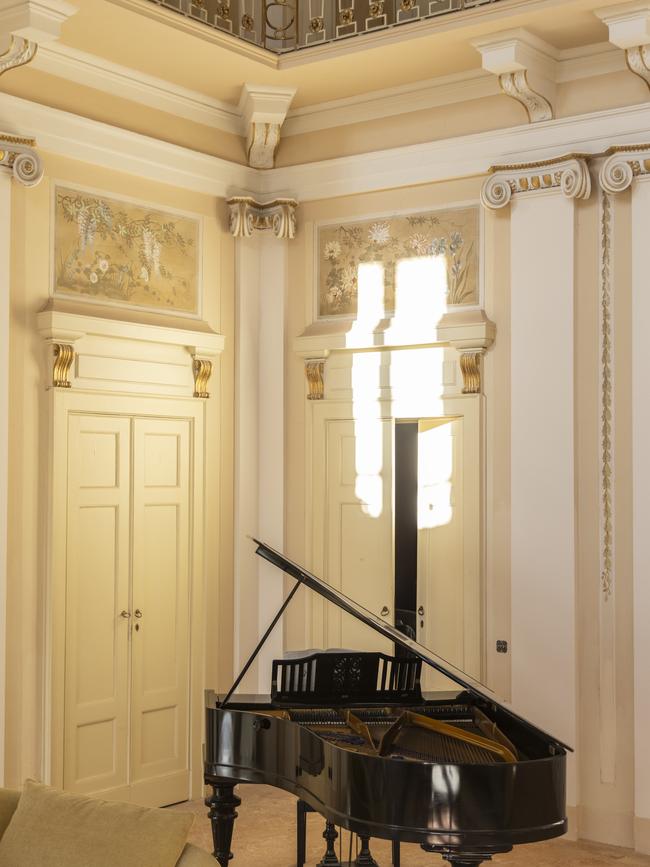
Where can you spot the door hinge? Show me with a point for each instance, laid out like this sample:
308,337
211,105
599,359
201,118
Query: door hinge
502,646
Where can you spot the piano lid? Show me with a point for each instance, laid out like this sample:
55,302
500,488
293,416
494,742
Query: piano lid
390,632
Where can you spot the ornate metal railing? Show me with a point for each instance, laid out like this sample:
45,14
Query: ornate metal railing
288,25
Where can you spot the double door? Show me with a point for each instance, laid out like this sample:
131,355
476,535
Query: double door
127,612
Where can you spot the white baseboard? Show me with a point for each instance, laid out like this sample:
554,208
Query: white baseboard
604,826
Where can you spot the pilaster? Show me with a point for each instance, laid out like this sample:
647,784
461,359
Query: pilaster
624,169
543,521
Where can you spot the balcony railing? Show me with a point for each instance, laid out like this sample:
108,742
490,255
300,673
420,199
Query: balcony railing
287,25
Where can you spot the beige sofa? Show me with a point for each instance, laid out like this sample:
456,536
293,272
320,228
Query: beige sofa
191,856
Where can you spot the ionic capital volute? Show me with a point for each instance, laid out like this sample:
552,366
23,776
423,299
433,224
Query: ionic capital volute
568,175
623,165
18,155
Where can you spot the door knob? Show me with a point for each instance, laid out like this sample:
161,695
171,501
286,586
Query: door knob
385,611
125,614
421,610
138,613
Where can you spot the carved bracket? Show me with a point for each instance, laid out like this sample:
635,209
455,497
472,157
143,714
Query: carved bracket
623,165
471,364
526,67
20,52
263,109
63,358
202,370
18,155
569,174
315,373
629,29
246,215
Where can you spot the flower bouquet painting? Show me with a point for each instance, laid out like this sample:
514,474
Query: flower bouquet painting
113,251
450,236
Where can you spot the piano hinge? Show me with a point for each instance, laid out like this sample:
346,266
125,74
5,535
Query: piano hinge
502,646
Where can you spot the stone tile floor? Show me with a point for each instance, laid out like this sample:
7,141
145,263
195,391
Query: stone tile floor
265,834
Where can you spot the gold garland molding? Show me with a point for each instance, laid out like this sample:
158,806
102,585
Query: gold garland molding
606,403
202,370
248,215
18,155
63,358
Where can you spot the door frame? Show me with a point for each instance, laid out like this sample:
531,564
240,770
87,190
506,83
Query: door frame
60,405
321,414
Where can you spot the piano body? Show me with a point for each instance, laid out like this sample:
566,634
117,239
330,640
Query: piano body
351,735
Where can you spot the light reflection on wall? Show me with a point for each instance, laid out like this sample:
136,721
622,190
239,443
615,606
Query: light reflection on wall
435,467
368,433
415,376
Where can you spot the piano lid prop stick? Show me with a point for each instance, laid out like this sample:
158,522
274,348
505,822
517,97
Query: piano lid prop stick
261,642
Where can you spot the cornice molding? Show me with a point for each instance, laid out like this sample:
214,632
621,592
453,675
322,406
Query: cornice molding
100,144
103,75
35,20
18,155
623,166
526,67
569,175
65,62
68,63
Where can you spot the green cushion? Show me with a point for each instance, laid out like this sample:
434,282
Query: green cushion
60,829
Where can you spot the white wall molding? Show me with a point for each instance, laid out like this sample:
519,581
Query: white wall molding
34,20
76,137
72,136
5,316
73,65
103,75
526,67
569,175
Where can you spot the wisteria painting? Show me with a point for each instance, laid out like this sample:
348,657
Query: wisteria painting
450,234
117,252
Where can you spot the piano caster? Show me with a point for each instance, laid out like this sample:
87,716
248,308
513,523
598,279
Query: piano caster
459,859
223,812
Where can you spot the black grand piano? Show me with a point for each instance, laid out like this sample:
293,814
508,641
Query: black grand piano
351,735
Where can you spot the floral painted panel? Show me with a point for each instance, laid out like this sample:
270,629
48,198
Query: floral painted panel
113,251
451,233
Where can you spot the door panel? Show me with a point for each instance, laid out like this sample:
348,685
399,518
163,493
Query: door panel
359,534
160,602
97,590
449,543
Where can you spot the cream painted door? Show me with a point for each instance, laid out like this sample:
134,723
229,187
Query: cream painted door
160,599
96,711
359,527
449,591
127,654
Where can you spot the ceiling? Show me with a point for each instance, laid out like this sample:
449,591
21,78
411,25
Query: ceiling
144,37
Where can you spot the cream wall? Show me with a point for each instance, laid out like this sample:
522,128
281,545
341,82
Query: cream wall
28,443
601,792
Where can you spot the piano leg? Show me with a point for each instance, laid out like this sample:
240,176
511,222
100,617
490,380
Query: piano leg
459,859
223,812
330,835
364,858
396,853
